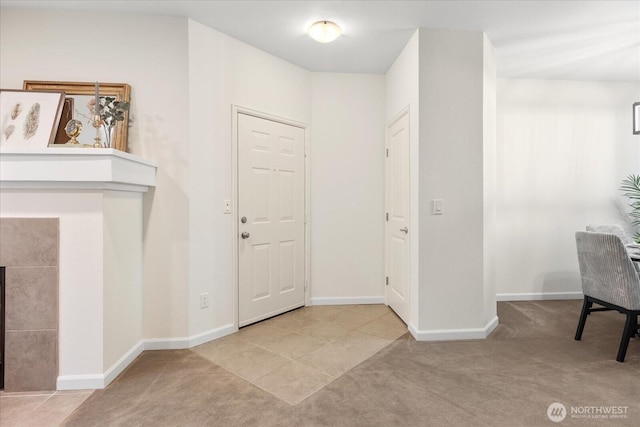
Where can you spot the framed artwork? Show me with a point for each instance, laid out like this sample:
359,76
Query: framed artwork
636,118
29,119
82,93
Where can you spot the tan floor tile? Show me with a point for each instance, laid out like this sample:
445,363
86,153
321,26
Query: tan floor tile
14,409
388,327
349,319
293,382
343,354
82,391
56,409
25,393
261,333
292,321
325,331
252,363
223,348
320,311
294,345
369,310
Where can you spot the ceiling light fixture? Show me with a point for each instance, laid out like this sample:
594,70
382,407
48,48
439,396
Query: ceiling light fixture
324,31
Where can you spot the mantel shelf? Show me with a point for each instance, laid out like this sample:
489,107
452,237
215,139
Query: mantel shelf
75,168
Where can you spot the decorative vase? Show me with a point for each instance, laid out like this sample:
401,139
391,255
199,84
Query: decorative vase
108,134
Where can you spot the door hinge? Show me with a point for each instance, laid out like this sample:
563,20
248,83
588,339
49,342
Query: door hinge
387,280
387,152
387,216
306,285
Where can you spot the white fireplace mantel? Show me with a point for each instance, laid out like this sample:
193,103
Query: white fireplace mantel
75,168
98,195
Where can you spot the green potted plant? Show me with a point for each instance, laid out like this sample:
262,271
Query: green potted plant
631,189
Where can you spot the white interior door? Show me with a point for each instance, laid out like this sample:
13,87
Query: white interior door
398,233
271,247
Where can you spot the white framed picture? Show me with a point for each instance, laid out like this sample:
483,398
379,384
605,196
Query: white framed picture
29,119
636,118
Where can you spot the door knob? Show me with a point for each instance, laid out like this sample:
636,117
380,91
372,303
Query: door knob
405,230
243,220
245,235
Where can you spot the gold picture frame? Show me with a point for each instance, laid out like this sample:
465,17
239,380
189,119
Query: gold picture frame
120,91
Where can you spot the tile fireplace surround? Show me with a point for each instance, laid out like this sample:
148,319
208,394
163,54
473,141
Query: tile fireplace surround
74,291
29,251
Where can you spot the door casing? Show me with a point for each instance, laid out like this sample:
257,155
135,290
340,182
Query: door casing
235,110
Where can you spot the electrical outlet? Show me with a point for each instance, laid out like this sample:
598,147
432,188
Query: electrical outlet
204,300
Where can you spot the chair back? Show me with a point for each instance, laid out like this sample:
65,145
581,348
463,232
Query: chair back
612,229
606,270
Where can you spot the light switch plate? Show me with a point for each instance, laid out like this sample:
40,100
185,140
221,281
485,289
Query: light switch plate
227,206
437,206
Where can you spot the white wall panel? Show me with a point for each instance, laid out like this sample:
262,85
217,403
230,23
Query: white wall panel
563,147
225,72
347,186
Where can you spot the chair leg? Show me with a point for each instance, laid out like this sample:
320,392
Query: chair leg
586,306
626,335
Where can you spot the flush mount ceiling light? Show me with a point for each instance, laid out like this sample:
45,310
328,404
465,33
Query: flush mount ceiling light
324,31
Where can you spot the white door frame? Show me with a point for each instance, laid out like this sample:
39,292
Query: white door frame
235,110
403,112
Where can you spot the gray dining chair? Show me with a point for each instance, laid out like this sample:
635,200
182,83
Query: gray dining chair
609,280
612,229
618,231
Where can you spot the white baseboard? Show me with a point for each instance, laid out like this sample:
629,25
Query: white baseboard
117,368
99,381
347,300
211,335
454,334
188,342
79,382
537,296
166,343
84,382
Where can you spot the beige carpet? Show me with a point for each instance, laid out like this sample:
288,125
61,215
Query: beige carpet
529,362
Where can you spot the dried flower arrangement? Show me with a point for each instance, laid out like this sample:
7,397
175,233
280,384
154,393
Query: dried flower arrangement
111,111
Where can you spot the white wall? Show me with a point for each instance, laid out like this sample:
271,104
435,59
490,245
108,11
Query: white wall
451,168
225,72
122,290
402,92
563,148
149,53
347,188
184,79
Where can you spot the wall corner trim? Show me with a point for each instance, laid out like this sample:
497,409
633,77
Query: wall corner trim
453,334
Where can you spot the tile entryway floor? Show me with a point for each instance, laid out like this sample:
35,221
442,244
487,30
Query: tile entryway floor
290,356
296,354
40,408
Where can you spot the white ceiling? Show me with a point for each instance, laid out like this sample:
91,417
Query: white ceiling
580,40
